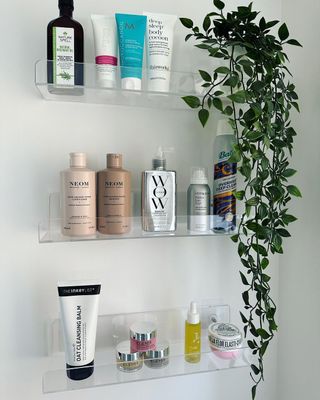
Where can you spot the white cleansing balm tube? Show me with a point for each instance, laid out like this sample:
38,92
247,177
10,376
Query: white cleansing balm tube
106,46
159,38
79,302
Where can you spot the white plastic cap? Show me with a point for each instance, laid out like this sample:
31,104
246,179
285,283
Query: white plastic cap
193,314
159,160
199,176
78,160
224,128
131,83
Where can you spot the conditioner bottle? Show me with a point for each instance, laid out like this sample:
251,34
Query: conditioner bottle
78,198
192,349
114,197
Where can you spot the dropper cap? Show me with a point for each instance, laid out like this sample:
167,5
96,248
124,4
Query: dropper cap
193,314
78,160
199,176
224,128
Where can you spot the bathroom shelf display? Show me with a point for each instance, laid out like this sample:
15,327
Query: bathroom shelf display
49,230
181,84
113,329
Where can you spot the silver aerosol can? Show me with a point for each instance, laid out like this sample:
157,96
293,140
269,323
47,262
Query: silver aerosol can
198,201
159,196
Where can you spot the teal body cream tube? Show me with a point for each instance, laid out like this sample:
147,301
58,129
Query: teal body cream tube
131,32
79,313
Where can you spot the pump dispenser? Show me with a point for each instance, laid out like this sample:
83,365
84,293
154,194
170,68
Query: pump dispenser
192,349
159,195
78,198
198,201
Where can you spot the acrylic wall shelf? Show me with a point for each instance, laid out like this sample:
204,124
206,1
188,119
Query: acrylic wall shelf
112,329
181,84
49,230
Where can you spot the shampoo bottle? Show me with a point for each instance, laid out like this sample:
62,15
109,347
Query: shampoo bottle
114,197
65,48
198,201
159,196
225,180
192,349
78,198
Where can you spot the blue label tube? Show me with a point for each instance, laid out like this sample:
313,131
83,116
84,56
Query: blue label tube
131,33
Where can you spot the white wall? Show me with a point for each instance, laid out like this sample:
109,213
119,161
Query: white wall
299,352
35,138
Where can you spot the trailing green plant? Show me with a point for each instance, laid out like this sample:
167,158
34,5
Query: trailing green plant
252,90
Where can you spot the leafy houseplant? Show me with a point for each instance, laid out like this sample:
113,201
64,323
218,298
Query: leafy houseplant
257,101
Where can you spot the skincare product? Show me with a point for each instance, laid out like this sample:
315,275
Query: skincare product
159,357
159,43
78,197
225,180
114,193
128,361
143,336
198,201
106,47
224,339
79,313
65,48
159,196
131,32
192,348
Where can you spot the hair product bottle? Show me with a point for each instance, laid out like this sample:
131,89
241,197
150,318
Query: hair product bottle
159,196
78,197
65,48
225,180
114,197
192,348
198,201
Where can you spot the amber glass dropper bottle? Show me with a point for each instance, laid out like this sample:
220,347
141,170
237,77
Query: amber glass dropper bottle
65,48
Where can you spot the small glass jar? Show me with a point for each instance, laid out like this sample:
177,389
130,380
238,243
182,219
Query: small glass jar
126,360
224,340
159,357
143,336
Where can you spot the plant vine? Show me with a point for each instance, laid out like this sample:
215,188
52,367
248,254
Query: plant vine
252,90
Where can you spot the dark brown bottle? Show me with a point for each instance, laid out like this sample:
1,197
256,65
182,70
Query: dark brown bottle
65,48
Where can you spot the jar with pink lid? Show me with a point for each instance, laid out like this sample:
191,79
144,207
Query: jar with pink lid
143,336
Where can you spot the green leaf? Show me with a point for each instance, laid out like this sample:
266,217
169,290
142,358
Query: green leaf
260,249
244,279
253,392
283,232
283,32
241,249
254,201
238,97
203,116
222,70
263,348
264,263
245,297
254,135
192,101
235,238
206,23
263,333
217,103
270,24
244,319
287,218
293,42
205,76
228,111
266,278
219,4
188,36
294,191
255,369
288,172
239,195
188,23
203,46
